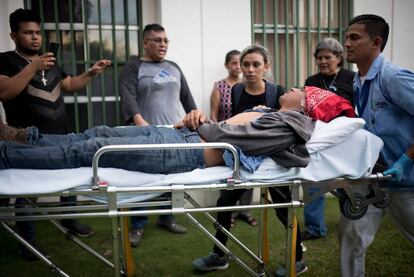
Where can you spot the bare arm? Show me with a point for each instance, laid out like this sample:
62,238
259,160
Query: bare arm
80,81
215,104
196,117
243,118
10,87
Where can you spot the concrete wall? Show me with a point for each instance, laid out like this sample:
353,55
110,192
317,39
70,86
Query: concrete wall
7,7
398,14
6,44
201,33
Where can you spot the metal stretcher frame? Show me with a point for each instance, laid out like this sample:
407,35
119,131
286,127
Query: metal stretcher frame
179,192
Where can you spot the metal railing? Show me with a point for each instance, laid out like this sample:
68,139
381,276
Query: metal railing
290,29
90,30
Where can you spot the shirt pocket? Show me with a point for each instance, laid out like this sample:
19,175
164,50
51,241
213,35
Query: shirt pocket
385,119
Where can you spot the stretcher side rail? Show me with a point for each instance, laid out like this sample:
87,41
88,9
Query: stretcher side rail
324,186
97,184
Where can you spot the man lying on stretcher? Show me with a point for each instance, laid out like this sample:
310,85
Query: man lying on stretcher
281,135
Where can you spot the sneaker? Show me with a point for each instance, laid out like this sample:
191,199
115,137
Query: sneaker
304,248
300,267
210,262
135,237
309,236
172,227
77,228
9,133
29,255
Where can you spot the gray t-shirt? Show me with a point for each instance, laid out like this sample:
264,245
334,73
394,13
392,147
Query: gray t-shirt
156,90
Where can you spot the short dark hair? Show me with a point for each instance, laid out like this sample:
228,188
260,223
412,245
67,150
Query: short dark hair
375,25
21,15
152,28
230,55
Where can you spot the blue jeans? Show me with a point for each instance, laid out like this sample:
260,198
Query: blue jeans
77,150
314,213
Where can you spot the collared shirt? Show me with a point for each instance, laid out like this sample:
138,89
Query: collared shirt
389,112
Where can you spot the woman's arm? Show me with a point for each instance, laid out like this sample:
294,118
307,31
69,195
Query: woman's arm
215,104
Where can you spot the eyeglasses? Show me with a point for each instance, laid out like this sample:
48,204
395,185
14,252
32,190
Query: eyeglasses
159,40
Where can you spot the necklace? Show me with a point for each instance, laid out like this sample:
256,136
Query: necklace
42,73
331,86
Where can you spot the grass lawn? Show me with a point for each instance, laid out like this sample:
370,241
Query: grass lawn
164,254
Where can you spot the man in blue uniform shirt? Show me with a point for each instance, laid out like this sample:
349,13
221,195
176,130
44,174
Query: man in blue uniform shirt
384,97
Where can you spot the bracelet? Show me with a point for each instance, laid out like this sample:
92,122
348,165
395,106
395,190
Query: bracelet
91,74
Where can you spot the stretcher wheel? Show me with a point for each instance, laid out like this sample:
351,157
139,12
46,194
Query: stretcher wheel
386,199
354,212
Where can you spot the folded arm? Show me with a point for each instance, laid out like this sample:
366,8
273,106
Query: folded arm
196,117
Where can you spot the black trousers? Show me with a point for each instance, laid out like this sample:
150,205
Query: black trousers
230,197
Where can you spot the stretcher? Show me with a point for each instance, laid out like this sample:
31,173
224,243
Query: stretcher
112,190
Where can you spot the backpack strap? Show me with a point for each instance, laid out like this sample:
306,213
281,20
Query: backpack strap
271,96
273,92
236,92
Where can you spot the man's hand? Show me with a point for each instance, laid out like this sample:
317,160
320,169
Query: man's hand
139,120
397,169
98,67
192,120
43,62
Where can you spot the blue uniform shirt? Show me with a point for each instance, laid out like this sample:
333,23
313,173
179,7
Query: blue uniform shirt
389,112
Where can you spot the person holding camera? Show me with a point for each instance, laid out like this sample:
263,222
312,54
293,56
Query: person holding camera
31,85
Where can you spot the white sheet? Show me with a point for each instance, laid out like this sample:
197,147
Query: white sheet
353,157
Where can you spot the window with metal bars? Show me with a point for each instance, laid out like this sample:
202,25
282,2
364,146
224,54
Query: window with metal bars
291,29
88,31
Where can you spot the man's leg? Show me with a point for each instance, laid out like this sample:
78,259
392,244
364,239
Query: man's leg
95,132
16,155
314,213
73,225
401,211
354,237
138,223
26,229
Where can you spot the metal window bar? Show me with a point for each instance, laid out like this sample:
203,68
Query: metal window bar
318,20
93,107
276,40
73,62
286,43
101,79
115,60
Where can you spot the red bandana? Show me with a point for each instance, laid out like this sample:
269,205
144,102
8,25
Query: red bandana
325,105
